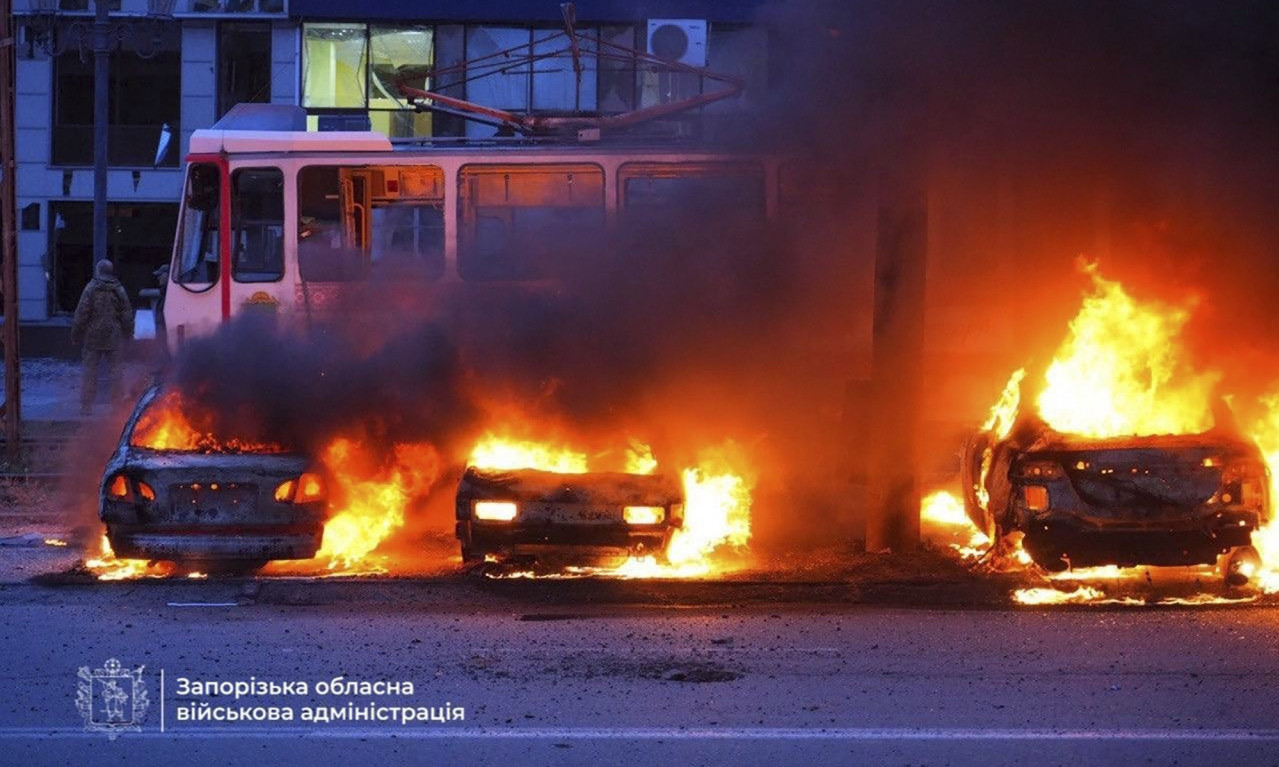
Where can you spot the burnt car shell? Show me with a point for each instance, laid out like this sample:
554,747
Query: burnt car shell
1166,500
205,509
565,517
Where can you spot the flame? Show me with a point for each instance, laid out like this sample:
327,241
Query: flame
371,499
1094,596
165,426
1265,431
717,505
1049,596
1004,412
639,459
496,452
943,511
1122,370
107,567
54,542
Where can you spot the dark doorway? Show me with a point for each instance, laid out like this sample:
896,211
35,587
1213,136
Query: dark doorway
139,240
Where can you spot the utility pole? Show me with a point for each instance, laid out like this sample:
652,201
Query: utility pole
8,247
896,386
102,45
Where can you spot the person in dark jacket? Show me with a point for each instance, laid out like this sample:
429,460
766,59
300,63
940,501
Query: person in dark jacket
103,320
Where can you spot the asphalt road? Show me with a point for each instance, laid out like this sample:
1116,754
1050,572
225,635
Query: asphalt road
575,673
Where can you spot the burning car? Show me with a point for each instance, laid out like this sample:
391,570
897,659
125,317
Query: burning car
526,514
1161,500
172,493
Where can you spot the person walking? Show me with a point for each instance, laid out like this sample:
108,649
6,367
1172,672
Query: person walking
103,319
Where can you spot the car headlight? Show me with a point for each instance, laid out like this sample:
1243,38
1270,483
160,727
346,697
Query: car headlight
495,511
643,515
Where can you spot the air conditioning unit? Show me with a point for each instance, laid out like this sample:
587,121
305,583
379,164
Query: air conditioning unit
682,40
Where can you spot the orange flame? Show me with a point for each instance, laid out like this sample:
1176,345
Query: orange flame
165,426
1122,370
717,503
1265,432
107,567
942,512
497,452
371,501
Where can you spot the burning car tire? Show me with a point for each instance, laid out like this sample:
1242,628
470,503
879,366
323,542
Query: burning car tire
1240,565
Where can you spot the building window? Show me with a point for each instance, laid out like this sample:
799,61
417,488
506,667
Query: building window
139,241
134,124
398,51
237,6
244,64
349,74
335,65
548,84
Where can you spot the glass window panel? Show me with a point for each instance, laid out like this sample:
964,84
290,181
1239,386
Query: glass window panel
507,86
617,76
528,222
334,65
370,222
394,50
197,257
257,220
555,83
739,51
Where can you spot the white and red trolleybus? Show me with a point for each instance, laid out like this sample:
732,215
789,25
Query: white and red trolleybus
273,218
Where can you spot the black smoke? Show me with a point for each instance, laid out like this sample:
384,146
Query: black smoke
1141,133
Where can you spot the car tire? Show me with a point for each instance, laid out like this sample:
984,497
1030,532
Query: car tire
969,476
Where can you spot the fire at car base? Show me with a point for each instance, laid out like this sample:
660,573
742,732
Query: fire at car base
1122,373
372,493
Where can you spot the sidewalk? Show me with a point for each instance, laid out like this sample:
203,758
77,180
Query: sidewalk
51,390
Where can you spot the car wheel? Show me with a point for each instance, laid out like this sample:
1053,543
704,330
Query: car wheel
975,450
1239,565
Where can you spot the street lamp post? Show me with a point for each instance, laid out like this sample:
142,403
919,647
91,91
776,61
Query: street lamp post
102,46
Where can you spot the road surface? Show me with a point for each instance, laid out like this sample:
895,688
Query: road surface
586,674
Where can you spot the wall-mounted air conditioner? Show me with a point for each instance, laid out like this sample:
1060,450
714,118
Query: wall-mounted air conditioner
682,40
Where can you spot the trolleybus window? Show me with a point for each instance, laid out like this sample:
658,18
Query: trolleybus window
519,222
257,221
698,190
197,257
360,222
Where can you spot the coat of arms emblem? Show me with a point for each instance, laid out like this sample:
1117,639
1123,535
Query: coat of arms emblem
112,699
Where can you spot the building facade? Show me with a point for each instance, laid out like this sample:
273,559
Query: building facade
170,76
